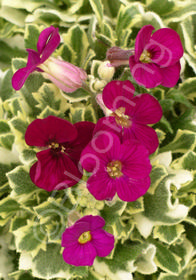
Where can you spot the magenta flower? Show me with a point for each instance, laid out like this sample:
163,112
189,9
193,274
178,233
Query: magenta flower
130,114
48,41
85,240
63,142
116,168
156,58
66,76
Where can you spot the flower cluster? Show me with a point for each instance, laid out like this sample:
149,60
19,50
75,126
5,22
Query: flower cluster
116,149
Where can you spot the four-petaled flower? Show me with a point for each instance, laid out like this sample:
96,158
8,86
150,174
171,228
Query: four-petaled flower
156,58
65,75
57,165
116,167
85,240
130,114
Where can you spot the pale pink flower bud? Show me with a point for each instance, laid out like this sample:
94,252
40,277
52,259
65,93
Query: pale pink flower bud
65,75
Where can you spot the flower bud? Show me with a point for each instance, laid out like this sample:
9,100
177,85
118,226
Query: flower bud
64,75
106,71
118,56
97,85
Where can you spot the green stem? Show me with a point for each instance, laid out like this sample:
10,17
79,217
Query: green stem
93,98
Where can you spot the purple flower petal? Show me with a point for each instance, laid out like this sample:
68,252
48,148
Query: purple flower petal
142,39
170,75
80,254
54,171
22,74
42,131
135,160
103,242
144,134
117,94
94,222
131,190
169,44
48,41
71,234
109,124
147,109
86,223
146,74
104,146
20,77
75,147
101,186
33,58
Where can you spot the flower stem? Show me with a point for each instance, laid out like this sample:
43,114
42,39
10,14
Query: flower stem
93,98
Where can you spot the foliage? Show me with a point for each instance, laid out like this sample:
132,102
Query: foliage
155,235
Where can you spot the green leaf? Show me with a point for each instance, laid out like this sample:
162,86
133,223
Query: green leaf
44,266
187,161
159,207
153,19
28,156
184,250
180,13
4,127
187,30
6,86
77,39
158,172
168,234
135,206
127,17
97,7
30,238
20,181
28,5
49,95
166,260
188,88
8,206
183,141
76,96
162,7
47,111
14,16
67,53
145,261
18,222
191,61
7,140
32,32
82,113
4,168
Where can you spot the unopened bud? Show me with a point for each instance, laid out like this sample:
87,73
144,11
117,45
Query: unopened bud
118,56
106,71
65,75
97,85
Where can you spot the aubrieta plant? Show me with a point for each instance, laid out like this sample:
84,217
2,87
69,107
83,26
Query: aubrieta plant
119,161
98,144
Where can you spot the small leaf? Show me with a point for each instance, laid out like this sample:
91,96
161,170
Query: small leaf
97,7
166,260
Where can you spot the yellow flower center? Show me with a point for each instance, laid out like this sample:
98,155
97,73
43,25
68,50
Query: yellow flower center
114,169
120,117
145,57
85,237
56,147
